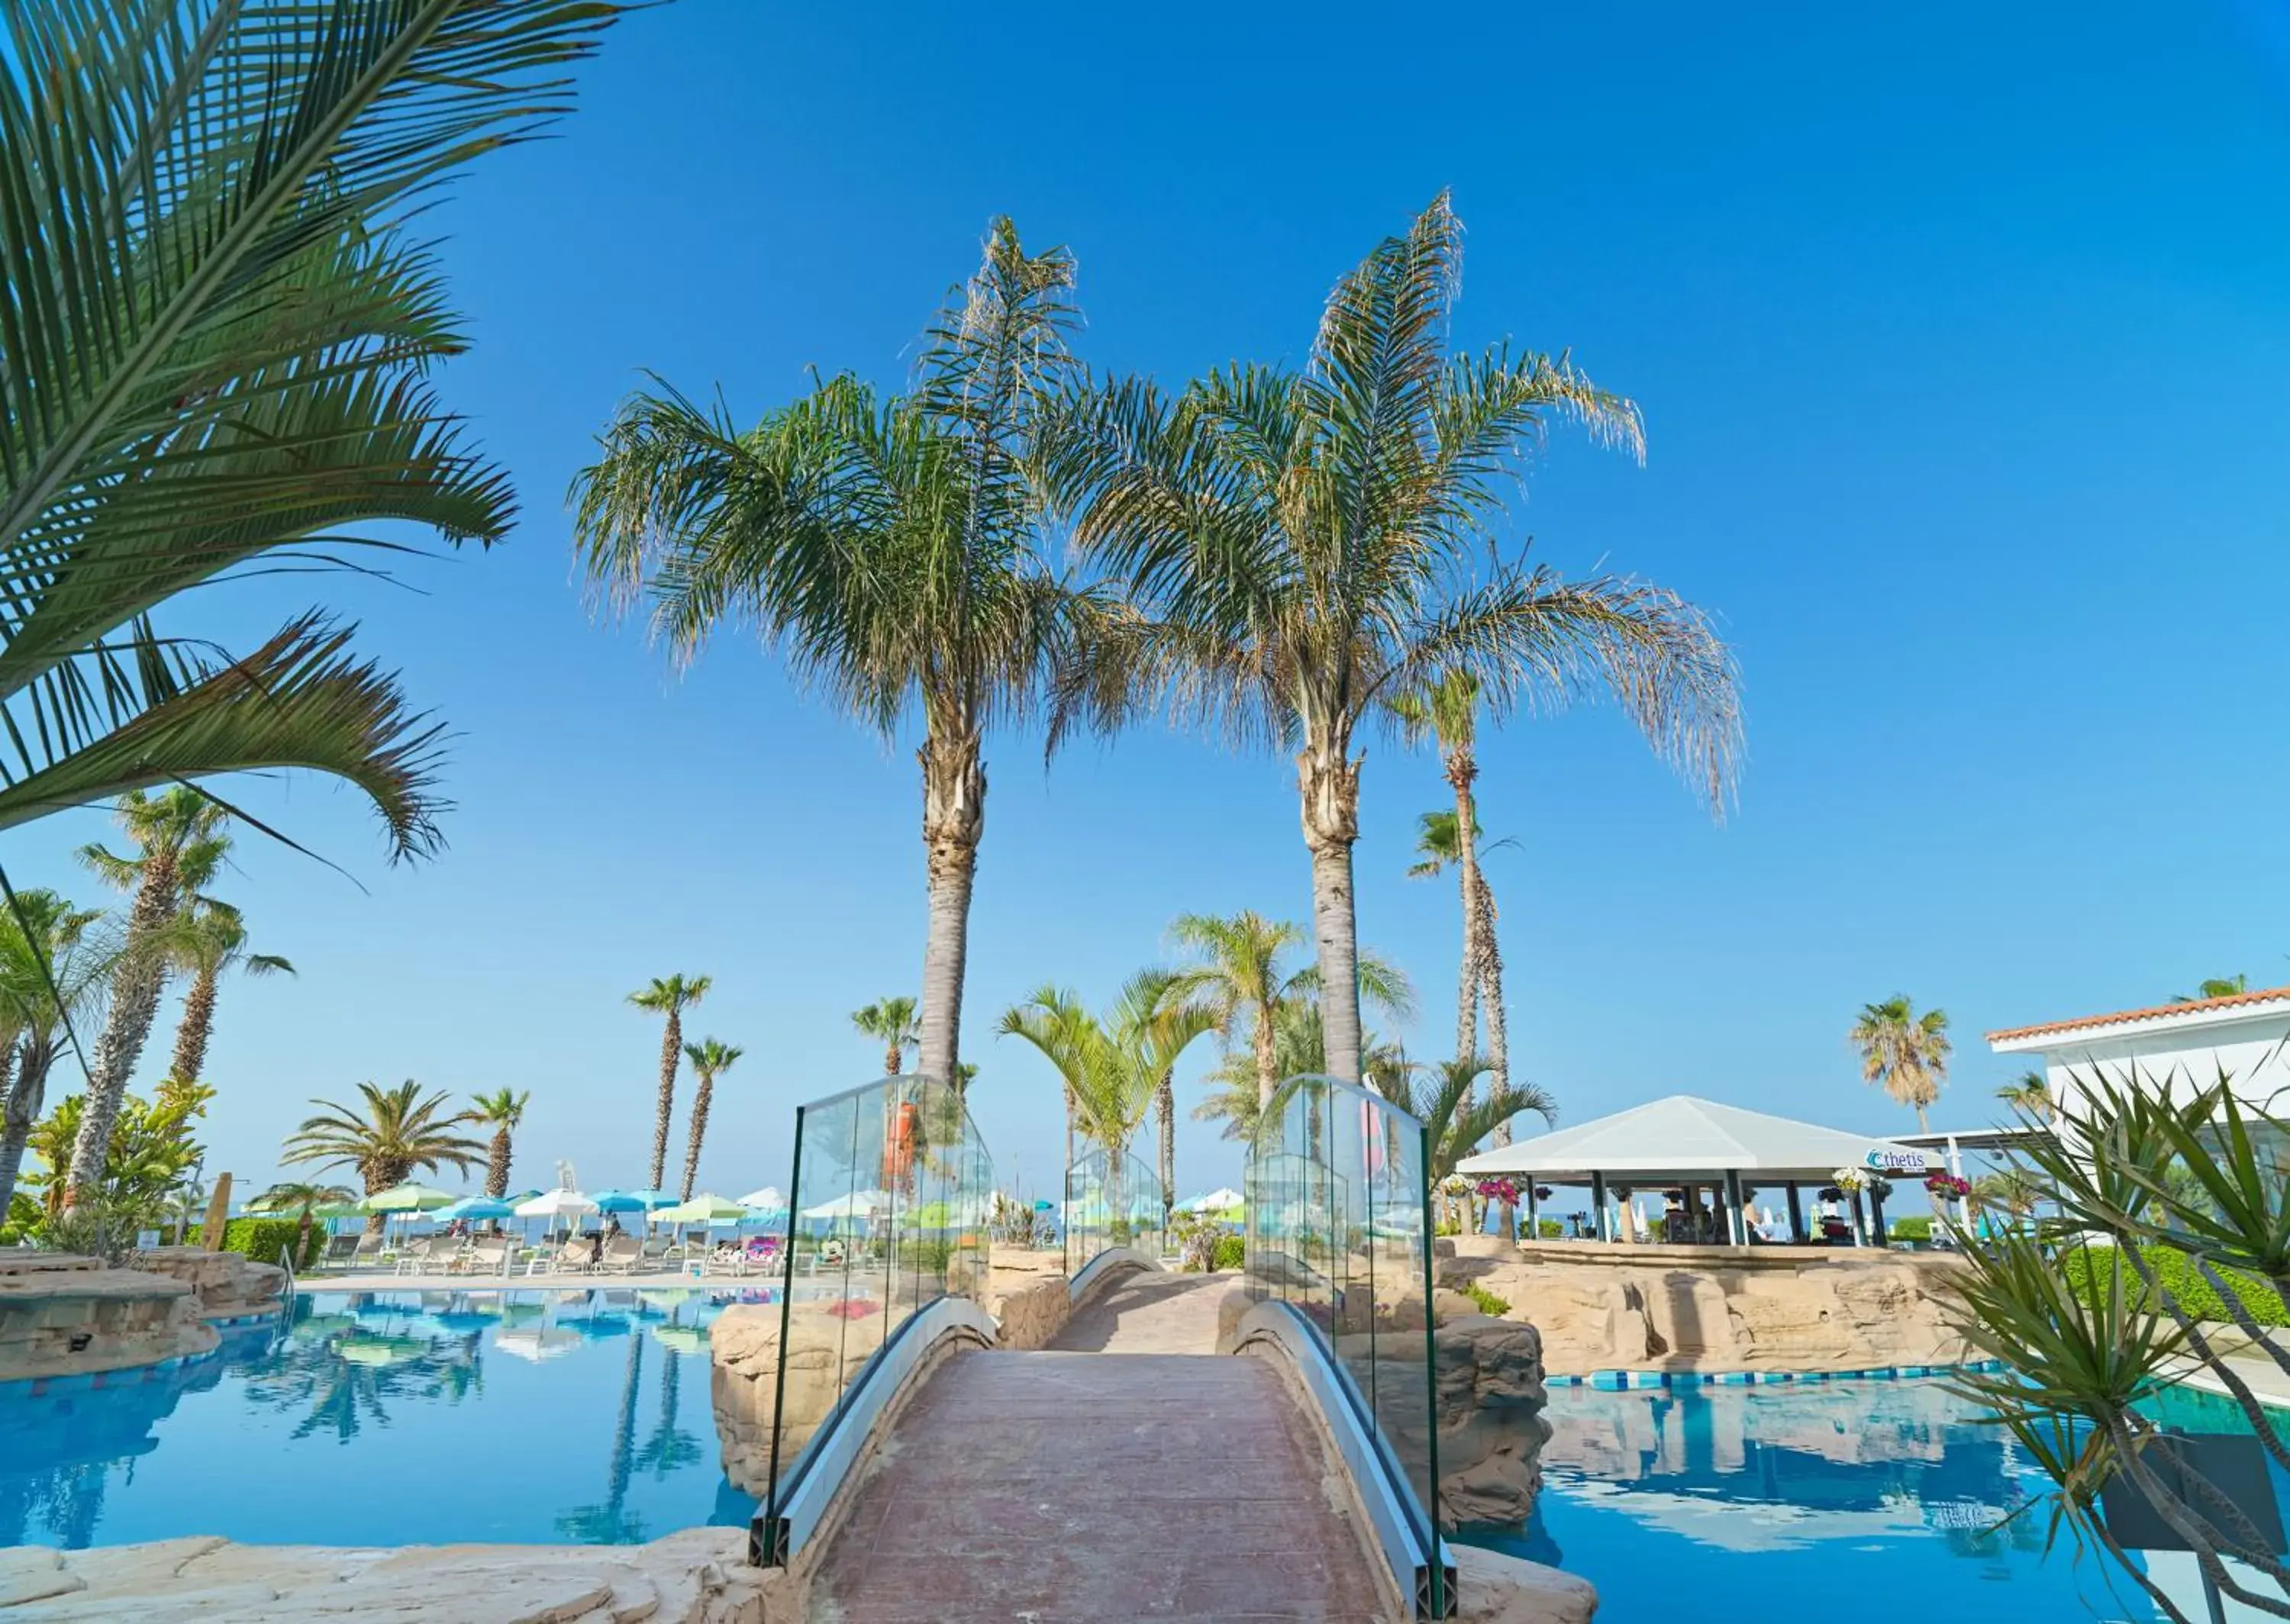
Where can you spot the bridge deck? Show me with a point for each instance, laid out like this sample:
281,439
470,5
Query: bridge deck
1095,1487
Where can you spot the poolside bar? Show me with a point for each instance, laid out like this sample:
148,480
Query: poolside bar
1684,1145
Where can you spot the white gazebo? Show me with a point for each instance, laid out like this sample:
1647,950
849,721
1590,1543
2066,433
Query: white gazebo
1683,1142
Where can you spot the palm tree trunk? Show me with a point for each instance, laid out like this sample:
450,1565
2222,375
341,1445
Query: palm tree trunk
1329,784
954,820
671,1051
1165,1100
1460,770
1268,1054
192,1032
701,1097
18,1108
893,1058
1489,955
135,988
497,1160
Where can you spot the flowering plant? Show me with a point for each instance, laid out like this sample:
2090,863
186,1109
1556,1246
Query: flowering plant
1498,1189
1543,1192
1454,1186
1852,1180
1947,1187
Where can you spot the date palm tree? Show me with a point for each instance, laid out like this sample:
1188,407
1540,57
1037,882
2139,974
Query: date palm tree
1300,547
710,1058
208,939
669,997
1446,712
221,351
1904,1053
502,1111
1240,979
182,838
385,1137
303,1199
890,1022
2030,1095
888,545
59,953
1157,1019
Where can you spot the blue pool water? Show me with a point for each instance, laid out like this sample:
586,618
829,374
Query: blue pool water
1858,1496
388,1419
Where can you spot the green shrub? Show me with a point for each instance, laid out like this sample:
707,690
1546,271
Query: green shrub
1231,1252
2176,1273
263,1239
1916,1227
1551,1229
1485,1300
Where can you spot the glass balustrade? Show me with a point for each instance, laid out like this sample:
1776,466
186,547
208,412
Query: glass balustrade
1112,1200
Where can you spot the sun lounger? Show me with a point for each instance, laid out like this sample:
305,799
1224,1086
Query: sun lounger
414,1258
621,1255
726,1259
485,1255
341,1249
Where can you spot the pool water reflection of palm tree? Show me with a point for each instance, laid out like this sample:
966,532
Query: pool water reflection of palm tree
611,1521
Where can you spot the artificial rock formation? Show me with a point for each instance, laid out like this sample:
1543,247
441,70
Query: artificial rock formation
227,1286
744,1346
1663,1307
1494,1589
68,1316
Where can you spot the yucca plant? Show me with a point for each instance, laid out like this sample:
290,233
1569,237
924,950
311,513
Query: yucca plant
2087,1328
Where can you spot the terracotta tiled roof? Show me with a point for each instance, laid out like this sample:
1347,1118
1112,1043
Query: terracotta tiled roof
2232,1001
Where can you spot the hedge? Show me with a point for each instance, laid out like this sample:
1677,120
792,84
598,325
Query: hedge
1549,1229
263,1239
1231,1252
2176,1273
1916,1227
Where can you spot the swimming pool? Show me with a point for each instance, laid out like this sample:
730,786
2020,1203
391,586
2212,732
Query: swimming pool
389,1419
1858,1495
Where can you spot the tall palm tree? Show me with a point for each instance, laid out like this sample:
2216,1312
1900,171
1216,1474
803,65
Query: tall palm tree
386,1138
669,997
1904,1053
58,954
1446,712
1244,985
1455,1118
1157,1019
182,838
303,1199
710,1058
502,1111
2215,986
890,1022
1303,545
209,937
888,545
2030,1094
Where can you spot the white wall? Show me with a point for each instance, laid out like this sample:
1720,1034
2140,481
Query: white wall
2255,1053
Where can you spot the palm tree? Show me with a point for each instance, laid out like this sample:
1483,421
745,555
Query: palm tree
1446,712
222,354
710,1058
669,997
1904,1053
1455,1118
890,1022
2030,1094
502,1111
56,955
303,1200
207,938
2215,986
889,545
396,1131
1156,1017
182,836
1113,1068
1300,547
1242,982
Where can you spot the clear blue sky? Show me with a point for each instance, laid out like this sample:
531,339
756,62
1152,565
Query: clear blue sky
1962,334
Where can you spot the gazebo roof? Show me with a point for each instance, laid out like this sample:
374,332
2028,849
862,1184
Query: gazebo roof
1682,1138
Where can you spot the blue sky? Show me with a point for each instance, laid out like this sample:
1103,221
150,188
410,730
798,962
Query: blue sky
1961,334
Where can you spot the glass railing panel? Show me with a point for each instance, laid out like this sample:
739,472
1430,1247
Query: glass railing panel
1112,1200
1337,1228
888,1202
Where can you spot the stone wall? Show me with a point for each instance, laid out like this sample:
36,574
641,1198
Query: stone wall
227,1286
1601,1307
72,1317
743,1345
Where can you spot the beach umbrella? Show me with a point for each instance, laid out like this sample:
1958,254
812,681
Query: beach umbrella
380,1350
1216,1201
407,1197
703,1209
553,1205
475,1207
681,1339
858,1204
544,1343
625,1201
768,1199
